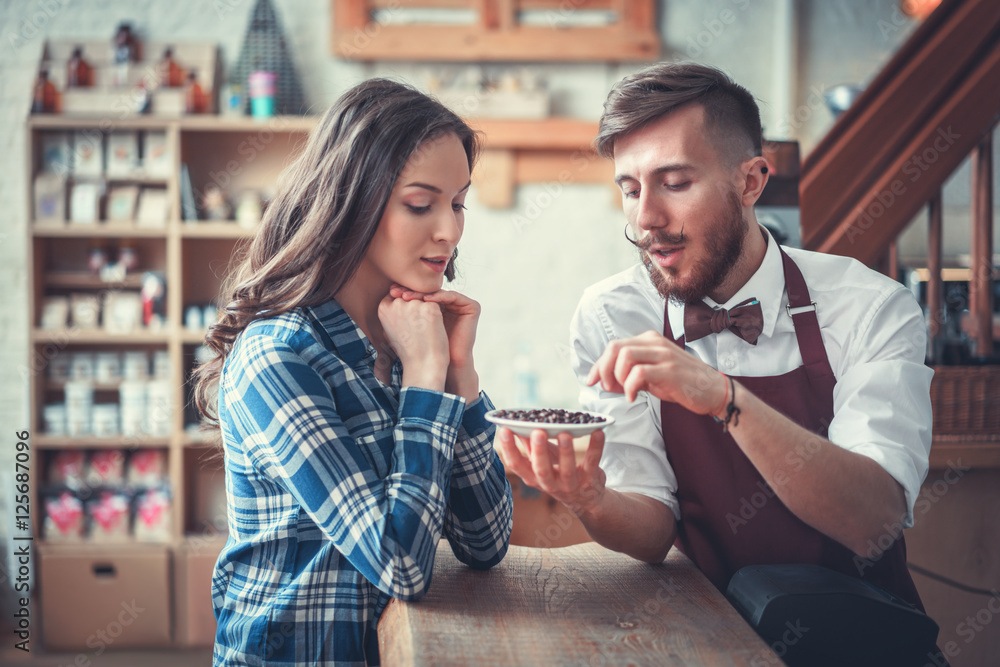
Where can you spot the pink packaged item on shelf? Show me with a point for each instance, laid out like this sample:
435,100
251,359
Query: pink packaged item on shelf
66,467
109,517
63,518
152,516
147,467
106,467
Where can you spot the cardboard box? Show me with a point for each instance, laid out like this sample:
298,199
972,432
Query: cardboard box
56,155
121,203
85,203
88,154
122,158
97,597
195,618
153,208
50,199
157,158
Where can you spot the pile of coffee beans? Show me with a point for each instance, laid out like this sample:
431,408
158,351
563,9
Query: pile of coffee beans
550,416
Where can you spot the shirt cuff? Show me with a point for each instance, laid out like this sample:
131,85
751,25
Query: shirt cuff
662,495
900,466
474,421
435,407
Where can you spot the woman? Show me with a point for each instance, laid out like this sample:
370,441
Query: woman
348,402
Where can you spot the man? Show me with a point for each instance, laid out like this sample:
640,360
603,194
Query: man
771,405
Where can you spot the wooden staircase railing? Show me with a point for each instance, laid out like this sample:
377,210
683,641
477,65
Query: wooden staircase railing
934,103
907,132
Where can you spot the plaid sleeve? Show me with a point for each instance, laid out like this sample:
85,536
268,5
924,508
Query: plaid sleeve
387,528
479,516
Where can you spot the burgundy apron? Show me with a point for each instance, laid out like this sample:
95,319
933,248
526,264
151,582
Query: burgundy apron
730,517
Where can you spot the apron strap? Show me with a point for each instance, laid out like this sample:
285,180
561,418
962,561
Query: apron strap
802,309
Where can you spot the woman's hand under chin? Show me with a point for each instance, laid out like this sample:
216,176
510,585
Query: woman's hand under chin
415,331
461,318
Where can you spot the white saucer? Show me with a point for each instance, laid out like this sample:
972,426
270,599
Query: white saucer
524,428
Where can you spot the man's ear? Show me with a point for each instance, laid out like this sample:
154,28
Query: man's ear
755,175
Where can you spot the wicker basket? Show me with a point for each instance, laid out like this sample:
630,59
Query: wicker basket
966,399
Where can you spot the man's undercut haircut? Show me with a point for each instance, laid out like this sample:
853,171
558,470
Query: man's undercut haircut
732,117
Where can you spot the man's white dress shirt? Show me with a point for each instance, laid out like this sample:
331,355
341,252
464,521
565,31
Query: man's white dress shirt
875,338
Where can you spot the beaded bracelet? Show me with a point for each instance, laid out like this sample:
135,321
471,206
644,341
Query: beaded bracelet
732,412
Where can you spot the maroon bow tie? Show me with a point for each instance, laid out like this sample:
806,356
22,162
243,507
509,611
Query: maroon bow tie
745,319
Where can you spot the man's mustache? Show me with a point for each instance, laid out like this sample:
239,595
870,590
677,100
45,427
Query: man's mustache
659,237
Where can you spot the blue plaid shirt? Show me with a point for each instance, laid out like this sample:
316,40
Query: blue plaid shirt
339,489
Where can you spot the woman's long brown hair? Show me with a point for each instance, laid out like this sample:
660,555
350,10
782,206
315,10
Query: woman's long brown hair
320,223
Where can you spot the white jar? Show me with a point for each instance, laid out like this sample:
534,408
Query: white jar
82,366
135,365
108,367
192,319
161,365
79,407
54,416
105,420
132,399
159,409
59,366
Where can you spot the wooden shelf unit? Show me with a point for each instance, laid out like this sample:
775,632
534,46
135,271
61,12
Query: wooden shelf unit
498,32
975,451
193,256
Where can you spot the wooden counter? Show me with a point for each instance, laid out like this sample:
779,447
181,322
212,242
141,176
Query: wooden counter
578,605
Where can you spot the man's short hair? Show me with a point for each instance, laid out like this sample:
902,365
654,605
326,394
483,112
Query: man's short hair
731,114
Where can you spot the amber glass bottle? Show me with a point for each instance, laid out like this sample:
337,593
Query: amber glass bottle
193,95
77,70
44,98
171,75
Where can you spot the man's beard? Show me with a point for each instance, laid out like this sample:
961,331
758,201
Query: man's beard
723,243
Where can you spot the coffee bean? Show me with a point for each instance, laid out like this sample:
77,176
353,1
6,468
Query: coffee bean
550,416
